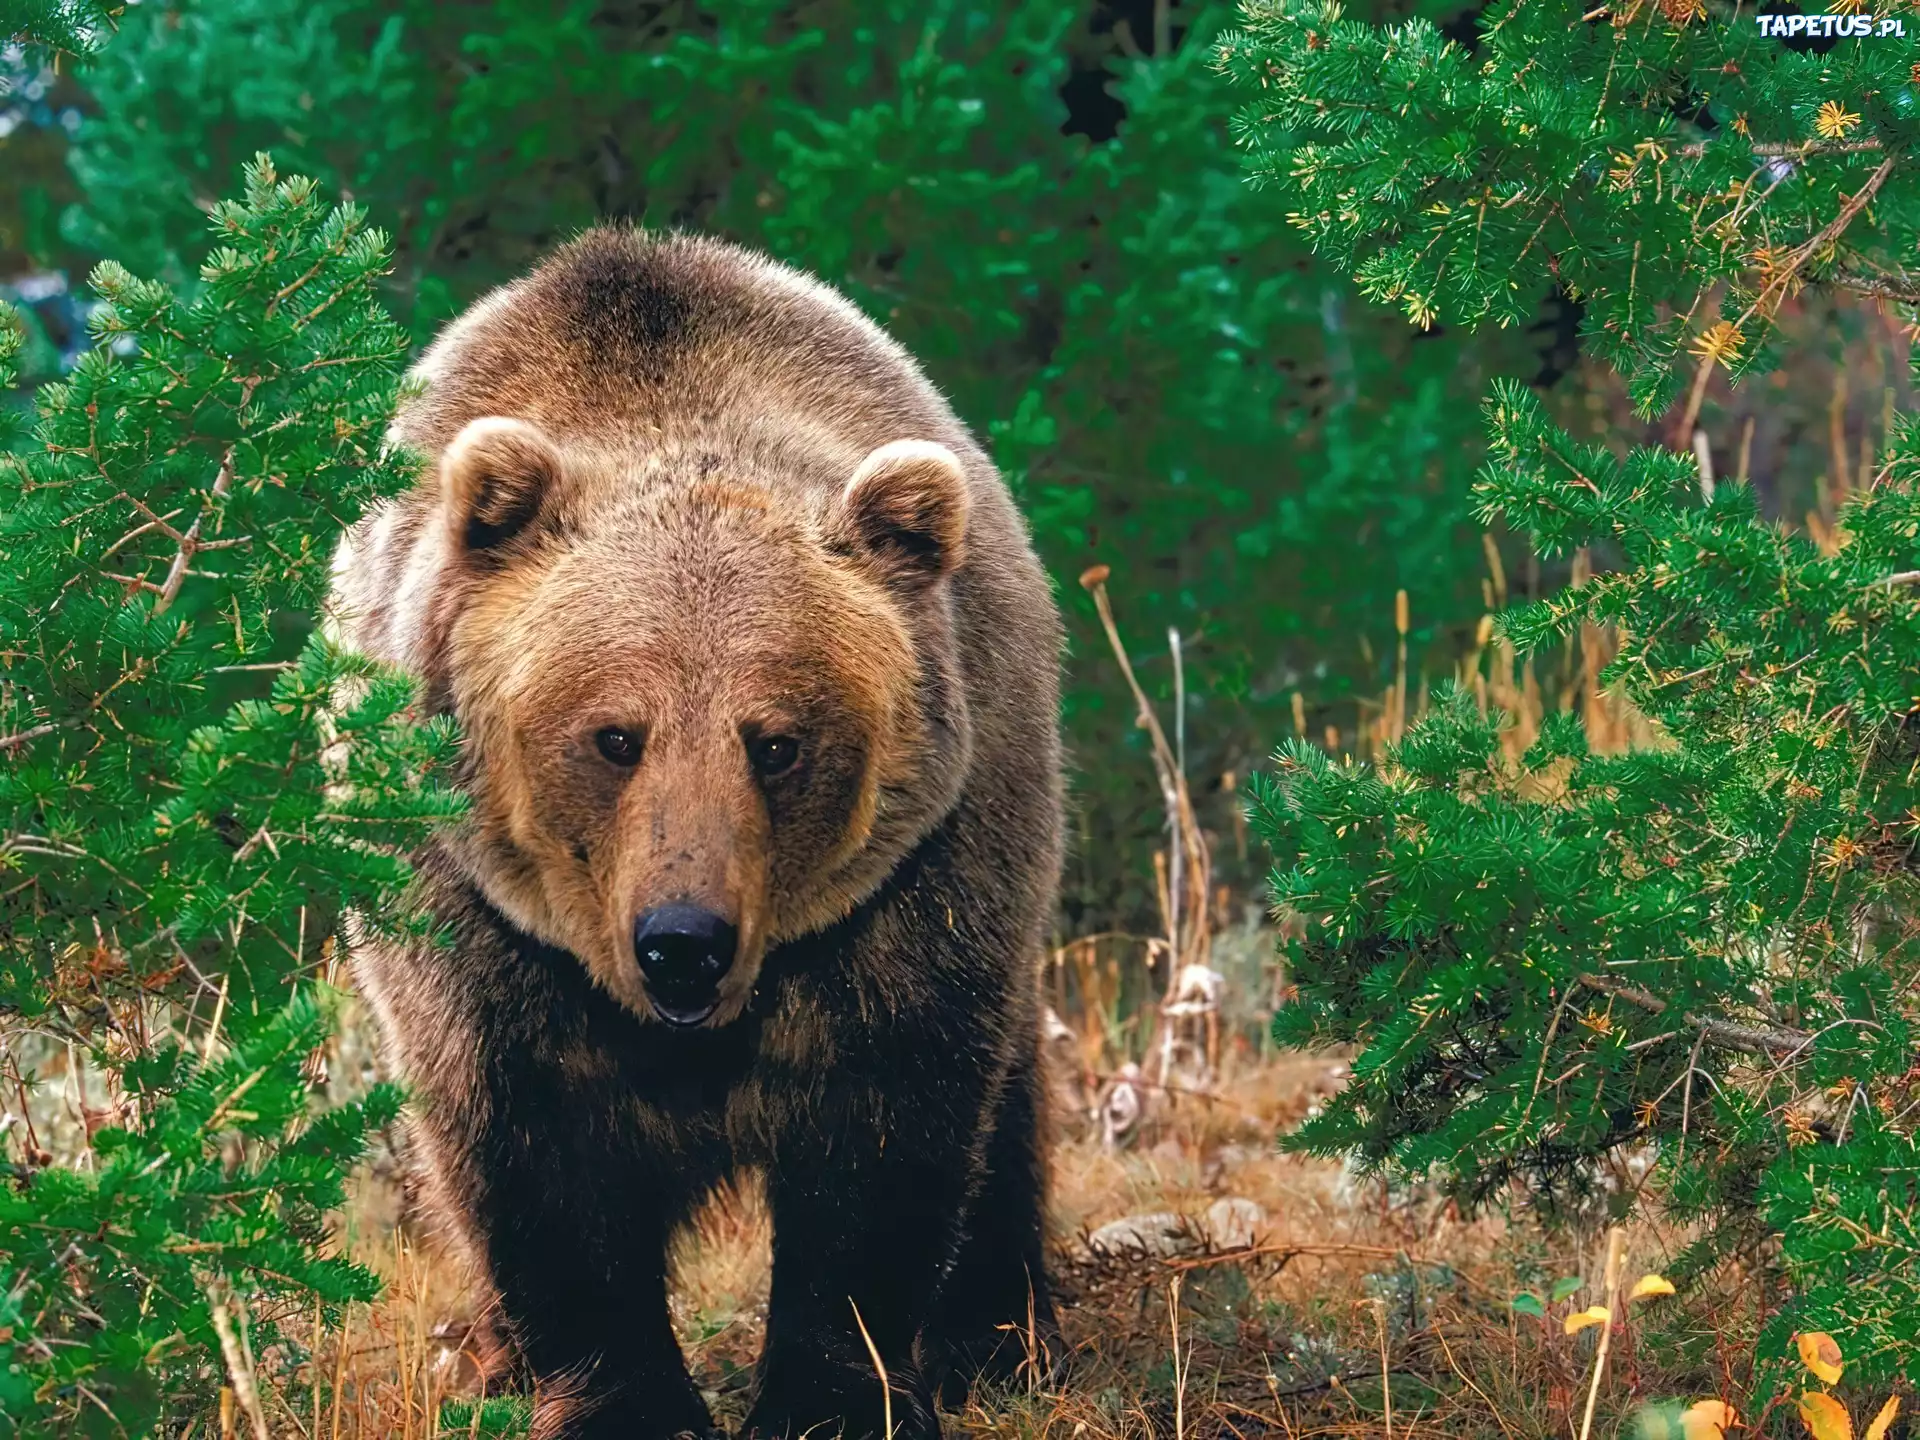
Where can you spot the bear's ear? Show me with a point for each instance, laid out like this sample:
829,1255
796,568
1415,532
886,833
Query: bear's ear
906,509
494,477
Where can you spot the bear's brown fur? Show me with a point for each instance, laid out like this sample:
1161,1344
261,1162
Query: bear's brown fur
734,615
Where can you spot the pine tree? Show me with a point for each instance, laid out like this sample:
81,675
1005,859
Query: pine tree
1702,950
73,27
1707,947
175,853
1672,164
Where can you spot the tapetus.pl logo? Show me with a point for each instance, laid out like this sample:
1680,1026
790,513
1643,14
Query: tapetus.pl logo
1787,27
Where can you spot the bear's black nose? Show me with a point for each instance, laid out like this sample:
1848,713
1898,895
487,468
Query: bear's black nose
683,952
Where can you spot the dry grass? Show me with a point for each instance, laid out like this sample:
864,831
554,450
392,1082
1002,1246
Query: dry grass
1352,1312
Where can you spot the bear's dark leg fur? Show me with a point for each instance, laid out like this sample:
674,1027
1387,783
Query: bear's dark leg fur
596,1336
862,1227
878,1159
576,1201
995,1312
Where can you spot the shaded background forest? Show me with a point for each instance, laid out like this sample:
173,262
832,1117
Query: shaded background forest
1040,200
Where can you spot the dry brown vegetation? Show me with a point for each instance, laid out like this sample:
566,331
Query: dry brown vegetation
1347,1310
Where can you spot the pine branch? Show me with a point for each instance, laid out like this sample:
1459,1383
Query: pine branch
1749,1039
1788,271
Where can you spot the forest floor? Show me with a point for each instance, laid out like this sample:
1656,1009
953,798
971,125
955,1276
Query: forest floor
1324,1307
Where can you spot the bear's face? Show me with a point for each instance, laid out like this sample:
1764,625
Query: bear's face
697,722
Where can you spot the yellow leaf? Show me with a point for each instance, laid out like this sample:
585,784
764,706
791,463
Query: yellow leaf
1707,1420
1825,1417
1833,121
1718,343
1820,1354
1652,1285
1593,1315
1881,1422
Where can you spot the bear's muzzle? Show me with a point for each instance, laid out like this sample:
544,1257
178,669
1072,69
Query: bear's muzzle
684,951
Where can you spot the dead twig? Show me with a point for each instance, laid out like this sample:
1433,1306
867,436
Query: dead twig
190,542
240,1370
886,1390
1727,1035
1173,784
1616,1256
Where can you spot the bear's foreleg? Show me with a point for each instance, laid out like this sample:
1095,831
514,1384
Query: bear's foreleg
995,1319
592,1324
537,1164
863,1226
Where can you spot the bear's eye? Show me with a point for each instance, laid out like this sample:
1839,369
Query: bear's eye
773,754
622,747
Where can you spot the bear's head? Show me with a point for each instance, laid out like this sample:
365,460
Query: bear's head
701,717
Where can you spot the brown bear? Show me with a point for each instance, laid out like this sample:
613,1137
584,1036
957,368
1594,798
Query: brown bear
755,670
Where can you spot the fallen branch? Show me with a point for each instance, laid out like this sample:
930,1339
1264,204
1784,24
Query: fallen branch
1289,1251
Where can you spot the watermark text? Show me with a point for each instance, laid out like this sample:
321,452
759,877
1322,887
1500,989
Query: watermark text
1825,26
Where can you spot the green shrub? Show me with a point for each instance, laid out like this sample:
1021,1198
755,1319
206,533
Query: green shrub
73,27
1706,946
1673,168
175,855
1703,948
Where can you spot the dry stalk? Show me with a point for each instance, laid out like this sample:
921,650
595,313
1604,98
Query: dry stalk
1454,1365
1616,1257
1386,1379
240,1369
340,1366
1400,671
1189,945
880,1369
1179,1369
213,1030
319,1320
1186,880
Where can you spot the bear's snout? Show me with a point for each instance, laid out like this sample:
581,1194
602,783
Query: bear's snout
684,952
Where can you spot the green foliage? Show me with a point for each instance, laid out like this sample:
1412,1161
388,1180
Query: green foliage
502,1417
1674,169
178,838
1707,947
1176,390
74,26
1700,952
163,1209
